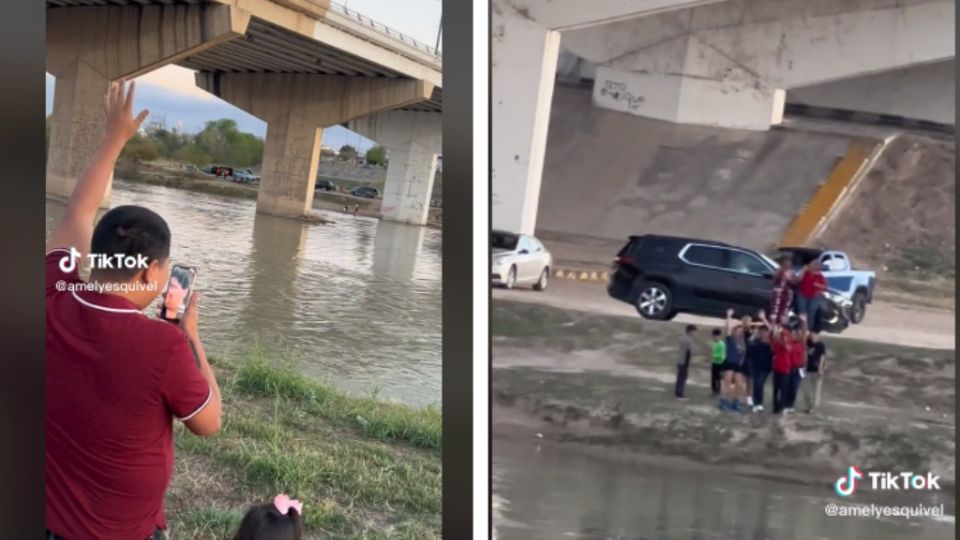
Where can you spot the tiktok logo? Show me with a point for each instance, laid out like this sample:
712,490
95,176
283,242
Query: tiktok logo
68,263
846,485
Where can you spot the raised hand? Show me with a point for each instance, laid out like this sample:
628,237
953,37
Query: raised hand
118,109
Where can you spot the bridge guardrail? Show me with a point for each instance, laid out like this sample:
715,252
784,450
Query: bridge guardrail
384,29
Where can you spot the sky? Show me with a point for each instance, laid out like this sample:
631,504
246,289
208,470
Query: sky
170,92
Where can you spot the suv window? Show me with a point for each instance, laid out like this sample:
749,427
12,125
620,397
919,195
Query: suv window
743,262
712,256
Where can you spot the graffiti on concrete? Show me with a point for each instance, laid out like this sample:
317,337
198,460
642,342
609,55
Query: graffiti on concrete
618,92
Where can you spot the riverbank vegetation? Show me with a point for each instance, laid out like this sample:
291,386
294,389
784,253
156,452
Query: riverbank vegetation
363,468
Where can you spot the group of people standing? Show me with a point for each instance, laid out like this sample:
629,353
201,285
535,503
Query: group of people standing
745,353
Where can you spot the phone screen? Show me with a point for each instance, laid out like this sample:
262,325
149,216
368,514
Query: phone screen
177,294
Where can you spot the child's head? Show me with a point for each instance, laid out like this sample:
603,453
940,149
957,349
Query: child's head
133,231
716,333
278,520
691,329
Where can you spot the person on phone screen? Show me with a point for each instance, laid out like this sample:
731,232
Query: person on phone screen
116,378
177,290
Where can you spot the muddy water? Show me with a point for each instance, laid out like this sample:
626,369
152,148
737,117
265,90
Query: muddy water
356,302
543,491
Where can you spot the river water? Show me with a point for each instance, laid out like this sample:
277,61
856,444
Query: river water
548,492
355,303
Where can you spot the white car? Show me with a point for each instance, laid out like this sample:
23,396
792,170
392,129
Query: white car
519,259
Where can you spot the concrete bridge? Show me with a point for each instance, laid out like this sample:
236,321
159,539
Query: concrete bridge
298,65
721,63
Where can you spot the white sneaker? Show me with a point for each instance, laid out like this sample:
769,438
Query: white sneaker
750,401
759,408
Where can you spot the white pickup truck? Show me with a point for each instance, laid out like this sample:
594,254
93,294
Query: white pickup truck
855,285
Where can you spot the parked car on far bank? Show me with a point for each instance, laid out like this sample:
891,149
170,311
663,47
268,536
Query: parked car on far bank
365,192
245,177
325,185
519,259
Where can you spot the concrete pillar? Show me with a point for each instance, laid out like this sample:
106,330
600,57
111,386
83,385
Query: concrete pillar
414,140
291,153
396,247
76,127
296,106
524,61
88,47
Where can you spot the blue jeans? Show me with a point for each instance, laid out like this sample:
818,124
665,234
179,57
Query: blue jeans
810,307
759,380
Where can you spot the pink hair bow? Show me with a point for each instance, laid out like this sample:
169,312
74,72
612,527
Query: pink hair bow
284,503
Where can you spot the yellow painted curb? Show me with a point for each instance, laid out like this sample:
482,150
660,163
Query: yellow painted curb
582,275
829,193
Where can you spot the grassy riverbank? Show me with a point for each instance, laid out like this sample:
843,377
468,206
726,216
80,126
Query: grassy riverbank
168,175
363,468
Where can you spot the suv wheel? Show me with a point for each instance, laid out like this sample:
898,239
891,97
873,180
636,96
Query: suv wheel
511,278
859,310
655,301
541,284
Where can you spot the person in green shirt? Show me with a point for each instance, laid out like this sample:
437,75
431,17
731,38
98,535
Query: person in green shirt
718,355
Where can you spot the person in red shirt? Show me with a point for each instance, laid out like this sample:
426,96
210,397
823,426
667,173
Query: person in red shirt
810,298
786,342
115,378
798,360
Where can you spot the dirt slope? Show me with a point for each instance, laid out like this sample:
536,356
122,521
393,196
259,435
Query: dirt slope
900,220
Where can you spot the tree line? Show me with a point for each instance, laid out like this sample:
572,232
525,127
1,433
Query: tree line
220,142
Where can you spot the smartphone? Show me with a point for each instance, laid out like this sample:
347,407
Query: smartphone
176,296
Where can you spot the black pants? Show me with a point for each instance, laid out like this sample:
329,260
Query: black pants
715,372
759,380
793,388
781,386
682,370
157,535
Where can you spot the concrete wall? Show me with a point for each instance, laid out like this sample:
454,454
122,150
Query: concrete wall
610,175
924,92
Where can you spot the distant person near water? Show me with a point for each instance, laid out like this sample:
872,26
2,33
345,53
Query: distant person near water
718,355
731,387
781,297
816,365
685,350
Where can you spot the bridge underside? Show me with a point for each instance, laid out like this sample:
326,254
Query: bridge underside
298,70
724,64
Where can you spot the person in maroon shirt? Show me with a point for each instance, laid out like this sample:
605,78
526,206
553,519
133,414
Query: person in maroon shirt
781,296
812,286
115,378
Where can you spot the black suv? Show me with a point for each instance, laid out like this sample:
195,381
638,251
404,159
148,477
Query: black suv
364,191
664,275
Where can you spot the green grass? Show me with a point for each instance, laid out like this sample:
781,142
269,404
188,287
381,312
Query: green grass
363,468
376,419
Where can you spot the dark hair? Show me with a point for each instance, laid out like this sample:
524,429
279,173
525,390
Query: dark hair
131,230
265,522
691,328
182,276
716,332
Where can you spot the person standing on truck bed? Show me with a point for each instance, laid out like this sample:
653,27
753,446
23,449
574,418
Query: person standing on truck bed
781,297
812,286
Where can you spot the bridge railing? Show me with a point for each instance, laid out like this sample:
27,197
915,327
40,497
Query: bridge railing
384,29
